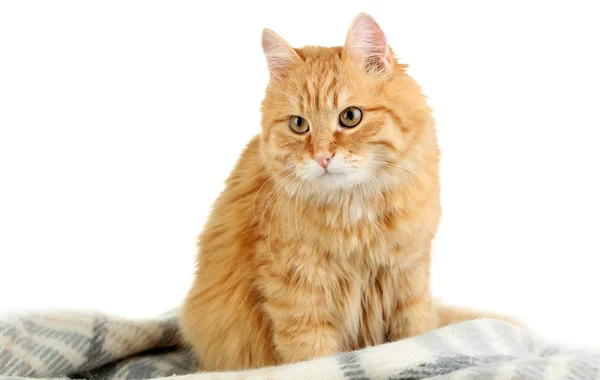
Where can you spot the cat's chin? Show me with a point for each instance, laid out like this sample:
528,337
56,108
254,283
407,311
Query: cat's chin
336,180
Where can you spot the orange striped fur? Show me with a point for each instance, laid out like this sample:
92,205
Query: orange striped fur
295,262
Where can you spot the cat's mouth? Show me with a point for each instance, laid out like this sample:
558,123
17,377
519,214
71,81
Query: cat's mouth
335,178
329,173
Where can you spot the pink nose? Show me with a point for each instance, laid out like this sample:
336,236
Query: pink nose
324,158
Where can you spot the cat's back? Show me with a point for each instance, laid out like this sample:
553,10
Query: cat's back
229,229
221,302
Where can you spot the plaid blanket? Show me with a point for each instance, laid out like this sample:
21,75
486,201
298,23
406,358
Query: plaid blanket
87,345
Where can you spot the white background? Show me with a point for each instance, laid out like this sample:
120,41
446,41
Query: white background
119,122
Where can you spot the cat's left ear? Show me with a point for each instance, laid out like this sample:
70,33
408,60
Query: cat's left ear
366,43
279,54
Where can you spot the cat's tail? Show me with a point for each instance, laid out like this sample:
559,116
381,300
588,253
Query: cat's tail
447,315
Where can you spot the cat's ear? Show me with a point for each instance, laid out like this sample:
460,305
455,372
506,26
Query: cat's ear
279,54
366,43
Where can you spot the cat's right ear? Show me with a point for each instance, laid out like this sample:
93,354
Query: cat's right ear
279,54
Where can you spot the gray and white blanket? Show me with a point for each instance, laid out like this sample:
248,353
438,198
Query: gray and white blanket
83,345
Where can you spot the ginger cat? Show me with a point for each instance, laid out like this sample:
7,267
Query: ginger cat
321,241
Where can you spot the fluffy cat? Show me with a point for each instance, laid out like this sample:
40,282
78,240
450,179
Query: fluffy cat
321,241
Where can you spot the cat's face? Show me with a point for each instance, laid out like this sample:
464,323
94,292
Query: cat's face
338,118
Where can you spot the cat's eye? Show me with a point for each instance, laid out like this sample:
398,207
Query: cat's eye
350,117
298,125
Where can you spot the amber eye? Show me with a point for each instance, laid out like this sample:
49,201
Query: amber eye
298,124
350,117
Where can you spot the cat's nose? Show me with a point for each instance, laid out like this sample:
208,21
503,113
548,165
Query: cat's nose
323,158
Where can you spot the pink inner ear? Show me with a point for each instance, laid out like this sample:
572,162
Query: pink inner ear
278,53
367,42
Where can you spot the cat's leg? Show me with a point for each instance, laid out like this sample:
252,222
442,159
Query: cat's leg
302,332
411,311
305,318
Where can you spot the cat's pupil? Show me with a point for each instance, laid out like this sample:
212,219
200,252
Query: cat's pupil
299,122
350,115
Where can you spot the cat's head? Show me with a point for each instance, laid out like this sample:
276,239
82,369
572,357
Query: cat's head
341,118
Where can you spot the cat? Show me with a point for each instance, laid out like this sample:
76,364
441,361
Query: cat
321,241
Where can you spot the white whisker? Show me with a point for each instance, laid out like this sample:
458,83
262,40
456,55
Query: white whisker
261,186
